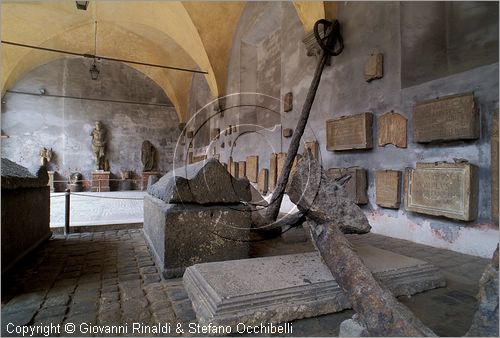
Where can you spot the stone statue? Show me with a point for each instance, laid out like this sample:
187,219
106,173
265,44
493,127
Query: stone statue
45,156
98,144
148,156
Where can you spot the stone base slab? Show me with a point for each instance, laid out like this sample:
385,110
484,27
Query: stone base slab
181,235
285,288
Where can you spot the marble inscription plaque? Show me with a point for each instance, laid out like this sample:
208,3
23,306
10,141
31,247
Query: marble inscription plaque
392,130
263,181
349,132
252,168
454,117
442,189
280,164
356,186
387,188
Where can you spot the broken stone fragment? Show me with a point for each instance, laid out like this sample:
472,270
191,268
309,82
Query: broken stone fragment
322,199
204,182
353,327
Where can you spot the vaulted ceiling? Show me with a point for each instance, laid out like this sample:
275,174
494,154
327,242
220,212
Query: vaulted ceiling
194,35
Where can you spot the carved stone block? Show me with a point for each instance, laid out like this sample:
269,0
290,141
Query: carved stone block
374,67
199,158
287,132
454,117
388,191
189,134
349,132
392,130
253,168
442,189
288,102
357,184
494,169
313,147
242,169
263,181
273,167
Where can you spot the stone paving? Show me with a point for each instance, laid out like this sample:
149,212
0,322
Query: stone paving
109,278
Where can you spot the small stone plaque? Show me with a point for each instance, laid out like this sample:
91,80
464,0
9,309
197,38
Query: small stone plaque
442,189
494,169
190,134
215,133
242,169
374,67
288,102
313,147
388,191
454,117
357,184
199,158
281,162
287,132
253,168
273,166
235,170
392,130
349,132
263,181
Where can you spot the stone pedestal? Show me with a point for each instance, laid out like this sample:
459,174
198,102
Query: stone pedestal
100,181
180,235
145,177
51,180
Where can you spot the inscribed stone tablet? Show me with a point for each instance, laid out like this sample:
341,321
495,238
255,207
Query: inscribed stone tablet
349,132
313,147
272,170
263,181
252,168
288,102
357,184
442,189
494,169
242,169
387,185
449,118
392,130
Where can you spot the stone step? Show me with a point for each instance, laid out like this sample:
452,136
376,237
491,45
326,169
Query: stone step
285,288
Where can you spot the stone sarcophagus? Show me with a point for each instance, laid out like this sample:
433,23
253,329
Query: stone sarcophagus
357,184
442,189
349,132
454,117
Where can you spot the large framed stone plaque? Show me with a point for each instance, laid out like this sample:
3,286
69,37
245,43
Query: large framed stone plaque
442,189
253,168
242,169
392,130
280,164
357,184
454,117
387,188
349,132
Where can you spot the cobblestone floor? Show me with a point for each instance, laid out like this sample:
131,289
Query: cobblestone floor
109,278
